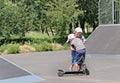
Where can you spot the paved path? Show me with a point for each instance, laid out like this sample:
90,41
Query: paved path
103,69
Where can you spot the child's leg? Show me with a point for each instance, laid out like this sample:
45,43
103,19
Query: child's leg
71,67
72,60
76,67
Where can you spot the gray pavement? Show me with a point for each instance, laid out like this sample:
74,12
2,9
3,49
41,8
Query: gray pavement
12,72
103,68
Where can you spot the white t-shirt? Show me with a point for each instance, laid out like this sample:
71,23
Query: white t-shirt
78,44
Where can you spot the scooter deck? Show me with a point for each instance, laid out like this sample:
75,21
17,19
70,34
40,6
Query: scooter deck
71,72
74,72
61,72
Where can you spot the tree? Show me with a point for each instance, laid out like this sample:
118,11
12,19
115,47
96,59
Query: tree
59,14
16,19
53,17
90,13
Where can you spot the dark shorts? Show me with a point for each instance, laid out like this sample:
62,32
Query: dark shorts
80,56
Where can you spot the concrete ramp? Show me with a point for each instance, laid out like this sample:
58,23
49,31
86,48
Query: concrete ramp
104,40
11,73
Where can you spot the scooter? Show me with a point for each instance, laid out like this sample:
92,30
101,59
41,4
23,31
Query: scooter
83,71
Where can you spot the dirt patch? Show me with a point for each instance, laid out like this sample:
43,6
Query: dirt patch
26,48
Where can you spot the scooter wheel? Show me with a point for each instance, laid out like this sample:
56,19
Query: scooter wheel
60,73
87,72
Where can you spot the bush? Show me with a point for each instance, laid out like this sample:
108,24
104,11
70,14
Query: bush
59,39
56,46
9,48
12,48
33,41
2,48
66,46
44,46
38,38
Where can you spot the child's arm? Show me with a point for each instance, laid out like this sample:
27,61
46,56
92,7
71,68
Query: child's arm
72,47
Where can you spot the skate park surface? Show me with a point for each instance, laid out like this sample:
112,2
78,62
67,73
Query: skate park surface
103,68
102,60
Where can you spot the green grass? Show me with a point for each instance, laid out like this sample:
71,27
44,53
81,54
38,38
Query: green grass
41,42
36,37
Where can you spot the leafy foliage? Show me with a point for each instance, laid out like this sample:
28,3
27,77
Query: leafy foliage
55,18
16,19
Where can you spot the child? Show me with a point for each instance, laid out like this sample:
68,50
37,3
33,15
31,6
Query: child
71,36
77,45
78,34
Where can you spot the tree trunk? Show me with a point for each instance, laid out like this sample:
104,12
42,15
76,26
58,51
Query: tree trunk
42,29
94,26
76,24
47,32
51,30
70,28
82,25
